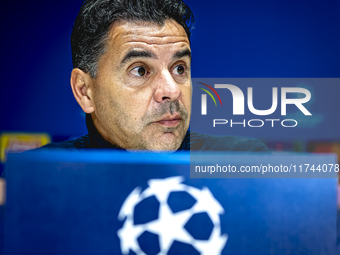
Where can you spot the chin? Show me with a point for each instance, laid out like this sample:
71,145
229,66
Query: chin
162,147
167,143
165,147
159,141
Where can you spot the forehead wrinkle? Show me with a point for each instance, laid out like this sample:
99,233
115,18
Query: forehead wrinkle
140,31
154,39
157,43
121,35
162,36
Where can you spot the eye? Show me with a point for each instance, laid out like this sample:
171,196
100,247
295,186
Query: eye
139,71
180,69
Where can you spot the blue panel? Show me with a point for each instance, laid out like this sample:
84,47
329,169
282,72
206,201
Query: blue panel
66,206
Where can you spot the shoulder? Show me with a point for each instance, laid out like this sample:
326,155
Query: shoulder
78,143
225,143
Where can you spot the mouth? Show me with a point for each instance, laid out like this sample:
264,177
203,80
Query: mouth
170,121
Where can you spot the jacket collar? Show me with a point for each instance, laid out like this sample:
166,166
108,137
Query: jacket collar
96,140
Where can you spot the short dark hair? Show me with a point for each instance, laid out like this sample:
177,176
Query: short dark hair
95,18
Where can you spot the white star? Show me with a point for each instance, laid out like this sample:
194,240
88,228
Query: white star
207,203
161,188
130,202
128,235
170,227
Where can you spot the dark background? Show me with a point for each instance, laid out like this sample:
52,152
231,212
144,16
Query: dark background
232,39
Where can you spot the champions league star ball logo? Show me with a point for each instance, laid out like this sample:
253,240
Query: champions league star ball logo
171,225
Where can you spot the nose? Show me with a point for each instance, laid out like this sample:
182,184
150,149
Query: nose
166,88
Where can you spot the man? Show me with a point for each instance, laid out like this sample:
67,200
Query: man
132,78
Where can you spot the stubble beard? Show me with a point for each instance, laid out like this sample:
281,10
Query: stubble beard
148,137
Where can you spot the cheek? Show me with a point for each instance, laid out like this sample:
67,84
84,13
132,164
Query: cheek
121,101
134,102
106,99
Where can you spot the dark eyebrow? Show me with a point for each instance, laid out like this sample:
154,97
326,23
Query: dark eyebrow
182,53
137,54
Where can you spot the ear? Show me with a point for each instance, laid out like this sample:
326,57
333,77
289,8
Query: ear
81,84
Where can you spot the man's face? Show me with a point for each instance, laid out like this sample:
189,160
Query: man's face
142,92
